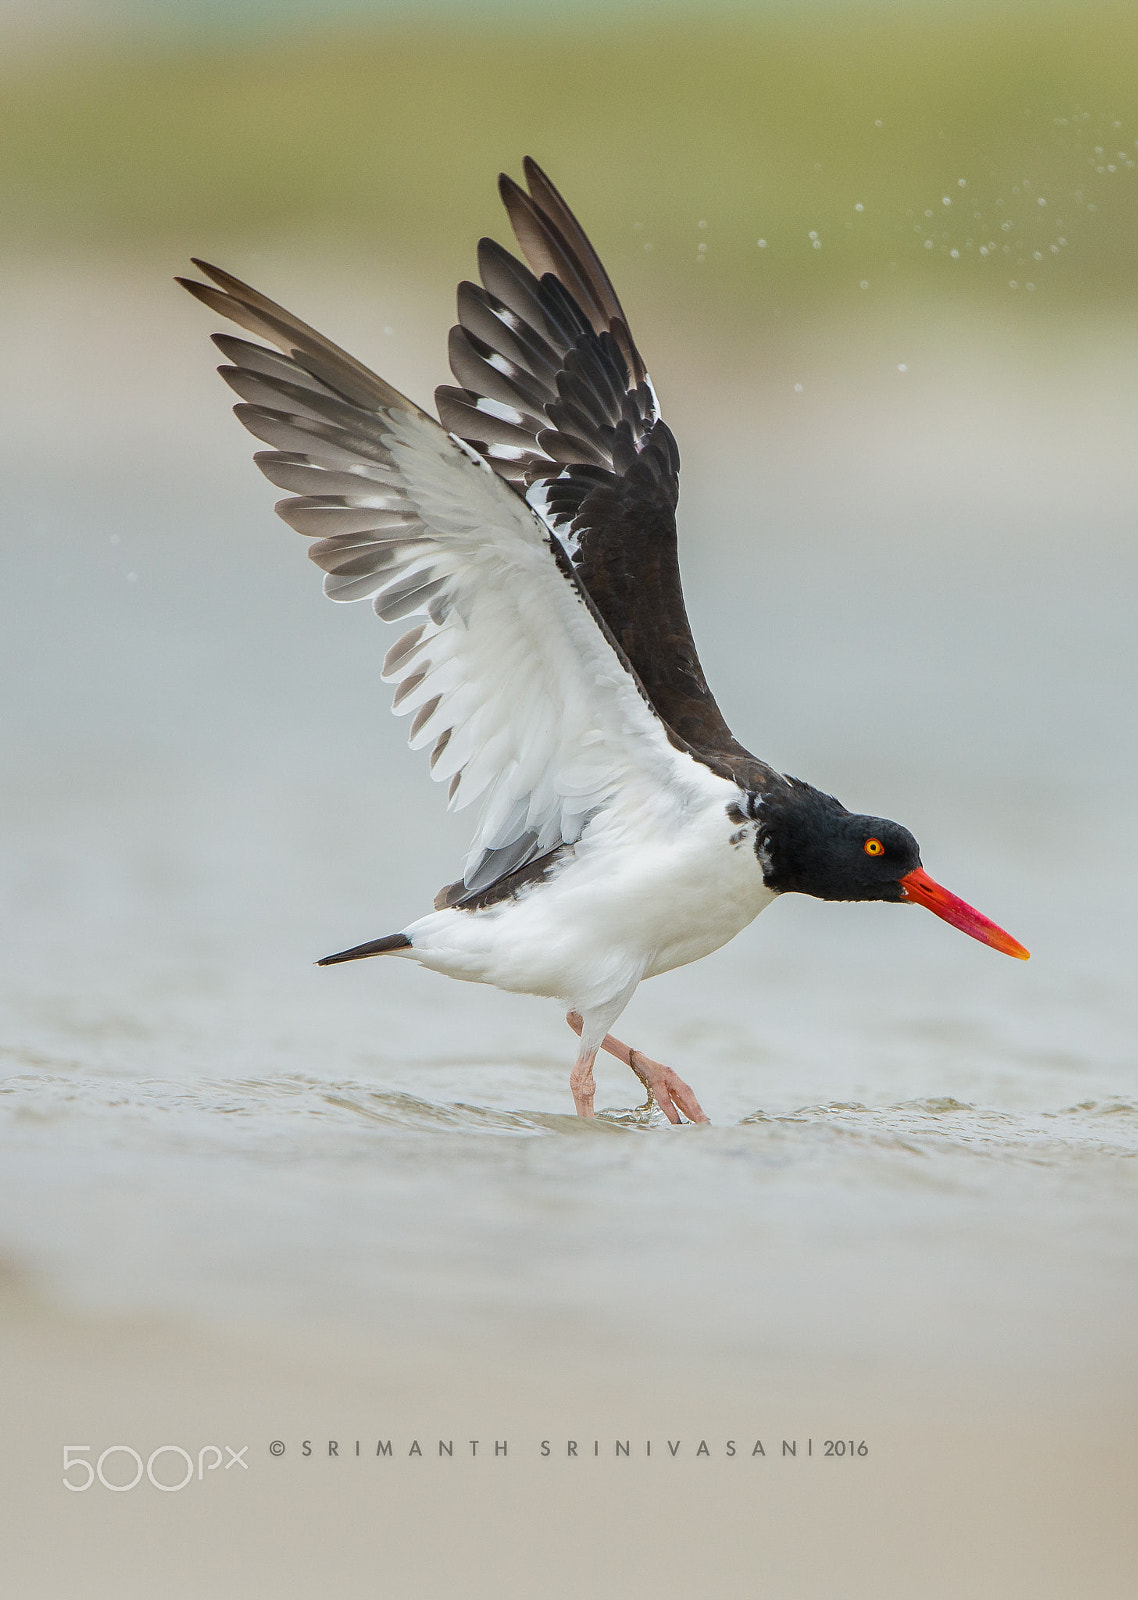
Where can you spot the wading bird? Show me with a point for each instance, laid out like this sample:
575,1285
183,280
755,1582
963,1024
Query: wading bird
622,830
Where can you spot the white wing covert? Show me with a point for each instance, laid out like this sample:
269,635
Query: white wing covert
510,677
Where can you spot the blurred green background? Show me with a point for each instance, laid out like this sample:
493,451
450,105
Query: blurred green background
876,150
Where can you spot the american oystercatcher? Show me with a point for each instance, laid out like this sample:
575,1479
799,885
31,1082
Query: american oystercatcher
622,830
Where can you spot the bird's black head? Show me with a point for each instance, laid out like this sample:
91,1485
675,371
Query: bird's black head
808,843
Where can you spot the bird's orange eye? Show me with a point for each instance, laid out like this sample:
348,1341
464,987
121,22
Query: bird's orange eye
874,847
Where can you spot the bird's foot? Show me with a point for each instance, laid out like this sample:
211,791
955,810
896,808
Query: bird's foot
666,1088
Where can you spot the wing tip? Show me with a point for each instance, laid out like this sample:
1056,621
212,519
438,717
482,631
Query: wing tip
509,189
537,178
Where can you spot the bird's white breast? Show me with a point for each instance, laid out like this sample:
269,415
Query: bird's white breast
639,894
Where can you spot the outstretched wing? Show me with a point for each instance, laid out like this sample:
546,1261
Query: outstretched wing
556,397
510,677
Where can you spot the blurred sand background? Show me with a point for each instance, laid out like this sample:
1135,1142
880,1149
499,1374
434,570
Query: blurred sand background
241,1202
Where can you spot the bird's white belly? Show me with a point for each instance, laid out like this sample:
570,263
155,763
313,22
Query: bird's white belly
621,909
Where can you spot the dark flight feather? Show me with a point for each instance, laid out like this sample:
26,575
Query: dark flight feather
551,341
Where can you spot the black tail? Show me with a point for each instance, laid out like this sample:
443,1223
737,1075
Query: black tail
377,947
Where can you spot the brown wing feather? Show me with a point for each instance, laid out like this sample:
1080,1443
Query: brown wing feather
550,204
258,314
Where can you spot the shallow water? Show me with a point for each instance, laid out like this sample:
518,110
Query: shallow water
922,1157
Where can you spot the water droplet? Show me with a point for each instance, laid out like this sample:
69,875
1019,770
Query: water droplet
879,124
702,248
1029,286
812,234
946,199
1037,255
817,244
955,254
703,222
762,244
928,244
798,388
647,246
1041,201
132,577
928,213
389,329
983,249
864,284
1012,284
962,183
115,538
902,366
859,206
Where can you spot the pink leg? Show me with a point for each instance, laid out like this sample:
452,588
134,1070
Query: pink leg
582,1083
666,1087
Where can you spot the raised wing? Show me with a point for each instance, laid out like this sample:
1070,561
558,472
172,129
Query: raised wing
556,397
510,677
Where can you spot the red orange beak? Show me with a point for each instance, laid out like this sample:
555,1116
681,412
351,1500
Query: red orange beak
918,886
